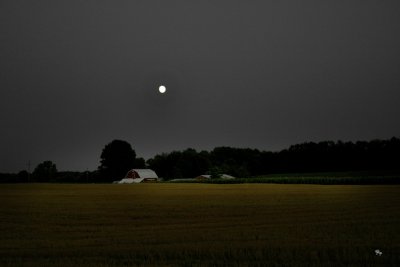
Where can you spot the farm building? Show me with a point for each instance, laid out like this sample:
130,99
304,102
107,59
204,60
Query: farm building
139,176
206,177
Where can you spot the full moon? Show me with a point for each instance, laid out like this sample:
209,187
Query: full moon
162,89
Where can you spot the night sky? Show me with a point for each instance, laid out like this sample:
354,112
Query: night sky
75,75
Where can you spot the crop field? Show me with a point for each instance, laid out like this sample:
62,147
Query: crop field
173,224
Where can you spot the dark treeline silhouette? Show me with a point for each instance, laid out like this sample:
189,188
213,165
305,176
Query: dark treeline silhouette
46,172
327,156
118,157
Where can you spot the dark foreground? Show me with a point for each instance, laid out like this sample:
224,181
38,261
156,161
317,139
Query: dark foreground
199,225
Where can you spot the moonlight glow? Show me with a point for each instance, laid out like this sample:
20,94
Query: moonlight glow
162,89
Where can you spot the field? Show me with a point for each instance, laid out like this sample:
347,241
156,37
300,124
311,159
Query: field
199,225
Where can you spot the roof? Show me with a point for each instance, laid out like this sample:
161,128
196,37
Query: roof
223,176
204,176
143,173
227,176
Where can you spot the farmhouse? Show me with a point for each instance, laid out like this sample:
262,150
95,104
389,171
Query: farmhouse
139,176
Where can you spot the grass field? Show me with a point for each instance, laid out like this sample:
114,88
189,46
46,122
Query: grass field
199,225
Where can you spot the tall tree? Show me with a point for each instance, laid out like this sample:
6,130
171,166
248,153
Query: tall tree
45,171
116,159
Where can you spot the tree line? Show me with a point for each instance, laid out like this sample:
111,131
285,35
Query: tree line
326,156
118,157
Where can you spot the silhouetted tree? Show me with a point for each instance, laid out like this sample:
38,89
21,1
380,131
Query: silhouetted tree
8,178
215,173
45,171
23,176
326,156
159,165
140,163
117,158
191,163
177,164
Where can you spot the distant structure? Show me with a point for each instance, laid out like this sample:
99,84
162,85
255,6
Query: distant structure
206,177
139,176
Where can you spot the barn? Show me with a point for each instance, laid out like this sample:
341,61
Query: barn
139,176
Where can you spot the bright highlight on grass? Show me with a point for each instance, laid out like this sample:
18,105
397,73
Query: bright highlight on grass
162,89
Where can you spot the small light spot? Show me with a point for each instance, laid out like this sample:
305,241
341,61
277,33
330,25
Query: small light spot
162,89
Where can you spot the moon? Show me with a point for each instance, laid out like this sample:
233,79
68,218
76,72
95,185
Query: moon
162,89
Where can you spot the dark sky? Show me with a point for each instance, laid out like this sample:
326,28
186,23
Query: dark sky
74,75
